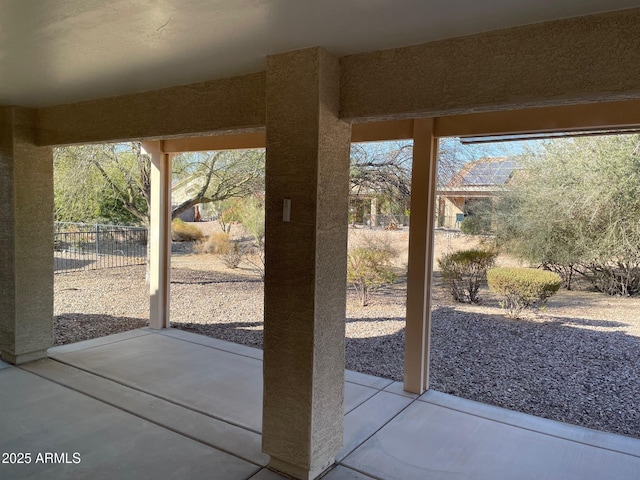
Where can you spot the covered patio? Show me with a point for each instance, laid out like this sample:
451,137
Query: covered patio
172,404
304,84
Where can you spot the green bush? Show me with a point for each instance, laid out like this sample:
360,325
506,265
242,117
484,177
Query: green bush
475,225
368,268
465,271
184,232
522,288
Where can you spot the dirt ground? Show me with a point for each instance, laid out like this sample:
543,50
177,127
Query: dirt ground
446,241
583,302
575,361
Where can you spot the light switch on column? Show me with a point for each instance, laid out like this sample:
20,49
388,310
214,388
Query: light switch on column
286,210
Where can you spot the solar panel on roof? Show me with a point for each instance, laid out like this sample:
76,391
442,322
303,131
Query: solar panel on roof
489,173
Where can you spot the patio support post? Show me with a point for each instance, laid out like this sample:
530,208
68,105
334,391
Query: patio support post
307,186
159,235
420,272
26,239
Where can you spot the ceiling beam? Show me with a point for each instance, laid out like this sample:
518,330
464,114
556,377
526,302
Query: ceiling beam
576,60
382,131
568,118
360,132
228,104
232,141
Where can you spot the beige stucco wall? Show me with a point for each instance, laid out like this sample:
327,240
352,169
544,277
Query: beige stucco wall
592,58
452,206
305,276
26,239
235,103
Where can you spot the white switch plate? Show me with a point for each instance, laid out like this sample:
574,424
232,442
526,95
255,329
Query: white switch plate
286,210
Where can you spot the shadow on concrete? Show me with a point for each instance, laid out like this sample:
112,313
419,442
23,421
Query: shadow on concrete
244,333
557,368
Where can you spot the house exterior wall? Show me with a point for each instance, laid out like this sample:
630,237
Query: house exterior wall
535,65
449,209
26,239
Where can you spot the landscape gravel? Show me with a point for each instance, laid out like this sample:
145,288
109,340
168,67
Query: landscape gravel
578,361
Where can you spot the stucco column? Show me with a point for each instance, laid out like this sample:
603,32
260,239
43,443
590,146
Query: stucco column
26,239
420,271
305,278
374,212
159,250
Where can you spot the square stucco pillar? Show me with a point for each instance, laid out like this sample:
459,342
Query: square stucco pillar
420,264
159,250
26,239
307,167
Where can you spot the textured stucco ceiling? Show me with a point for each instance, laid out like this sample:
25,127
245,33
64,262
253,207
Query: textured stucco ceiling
61,51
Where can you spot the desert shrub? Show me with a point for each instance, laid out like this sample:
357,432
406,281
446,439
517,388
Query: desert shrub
614,278
565,271
475,225
220,243
254,255
184,232
227,213
382,241
620,278
369,267
232,257
574,207
216,243
250,212
522,288
465,271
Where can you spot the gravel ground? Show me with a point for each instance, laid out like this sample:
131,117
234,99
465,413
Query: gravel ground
576,362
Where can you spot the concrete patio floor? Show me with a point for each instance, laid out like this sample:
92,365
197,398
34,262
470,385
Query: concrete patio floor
151,404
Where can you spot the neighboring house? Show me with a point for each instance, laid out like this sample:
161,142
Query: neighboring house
363,205
369,208
473,189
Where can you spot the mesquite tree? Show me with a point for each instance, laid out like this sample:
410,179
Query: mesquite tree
111,182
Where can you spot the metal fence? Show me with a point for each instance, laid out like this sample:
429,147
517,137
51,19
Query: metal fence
80,246
388,222
394,222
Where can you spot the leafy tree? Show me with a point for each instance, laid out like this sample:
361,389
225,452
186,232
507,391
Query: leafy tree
101,183
219,175
250,212
111,182
227,213
478,223
575,208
